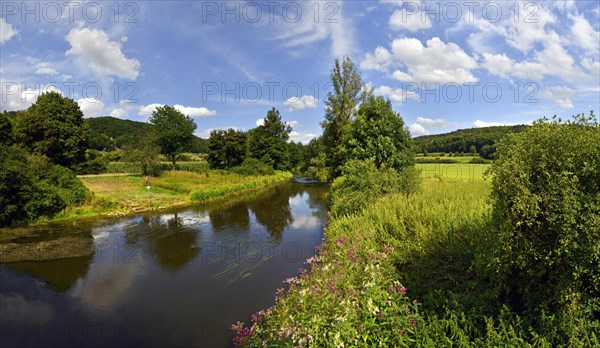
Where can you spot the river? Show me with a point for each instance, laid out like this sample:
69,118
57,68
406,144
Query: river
177,278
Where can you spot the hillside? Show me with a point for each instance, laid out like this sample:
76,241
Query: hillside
109,132
461,140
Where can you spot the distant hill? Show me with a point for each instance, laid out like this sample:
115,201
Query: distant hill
109,132
461,140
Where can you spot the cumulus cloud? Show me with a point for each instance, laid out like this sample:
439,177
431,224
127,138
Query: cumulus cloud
585,35
7,31
195,111
434,62
560,96
103,55
91,107
439,123
14,97
260,122
417,130
147,110
119,112
395,94
304,102
292,123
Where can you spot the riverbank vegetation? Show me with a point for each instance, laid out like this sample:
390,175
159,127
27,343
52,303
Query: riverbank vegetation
509,257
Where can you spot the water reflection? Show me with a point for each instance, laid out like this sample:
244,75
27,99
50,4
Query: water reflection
181,277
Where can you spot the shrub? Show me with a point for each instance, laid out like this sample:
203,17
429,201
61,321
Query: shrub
478,160
253,166
31,187
546,191
362,182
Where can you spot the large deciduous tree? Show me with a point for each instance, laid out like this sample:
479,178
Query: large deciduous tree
268,141
54,126
340,107
379,133
174,131
226,148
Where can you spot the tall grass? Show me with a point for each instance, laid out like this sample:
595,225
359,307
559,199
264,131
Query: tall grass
432,247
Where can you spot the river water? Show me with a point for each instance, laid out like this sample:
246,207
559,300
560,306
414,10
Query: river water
176,278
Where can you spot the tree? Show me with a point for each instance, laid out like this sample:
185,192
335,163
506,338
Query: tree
379,133
174,131
32,187
546,205
268,141
226,148
6,137
339,109
54,126
146,154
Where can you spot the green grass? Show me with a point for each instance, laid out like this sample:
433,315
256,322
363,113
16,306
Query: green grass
453,172
436,243
123,194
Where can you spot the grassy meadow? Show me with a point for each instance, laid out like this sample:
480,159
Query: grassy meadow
120,194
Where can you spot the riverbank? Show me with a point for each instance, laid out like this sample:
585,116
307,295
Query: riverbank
407,271
119,194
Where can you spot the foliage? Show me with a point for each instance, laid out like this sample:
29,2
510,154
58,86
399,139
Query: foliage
108,133
546,191
31,187
226,148
436,243
145,156
54,127
487,151
379,133
95,163
363,182
268,141
173,131
317,168
340,107
252,166
463,140
245,184
6,137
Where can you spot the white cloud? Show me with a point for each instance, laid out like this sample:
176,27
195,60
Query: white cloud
395,94
417,129
260,122
7,31
439,123
195,111
585,36
147,110
14,98
306,32
380,60
560,95
401,20
119,112
304,102
292,123
303,137
436,62
104,56
91,107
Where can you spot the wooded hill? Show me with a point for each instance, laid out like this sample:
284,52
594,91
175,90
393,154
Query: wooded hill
110,132
461,140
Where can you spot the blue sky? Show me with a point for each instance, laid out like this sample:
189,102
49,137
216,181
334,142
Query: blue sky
444,65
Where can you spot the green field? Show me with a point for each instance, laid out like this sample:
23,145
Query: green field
453,171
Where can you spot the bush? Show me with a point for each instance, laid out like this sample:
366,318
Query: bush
362,182
94,163
252,166
31,187
478,160
546,191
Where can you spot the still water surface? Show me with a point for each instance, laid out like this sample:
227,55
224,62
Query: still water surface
179,278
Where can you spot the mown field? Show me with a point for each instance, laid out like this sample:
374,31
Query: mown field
453,171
